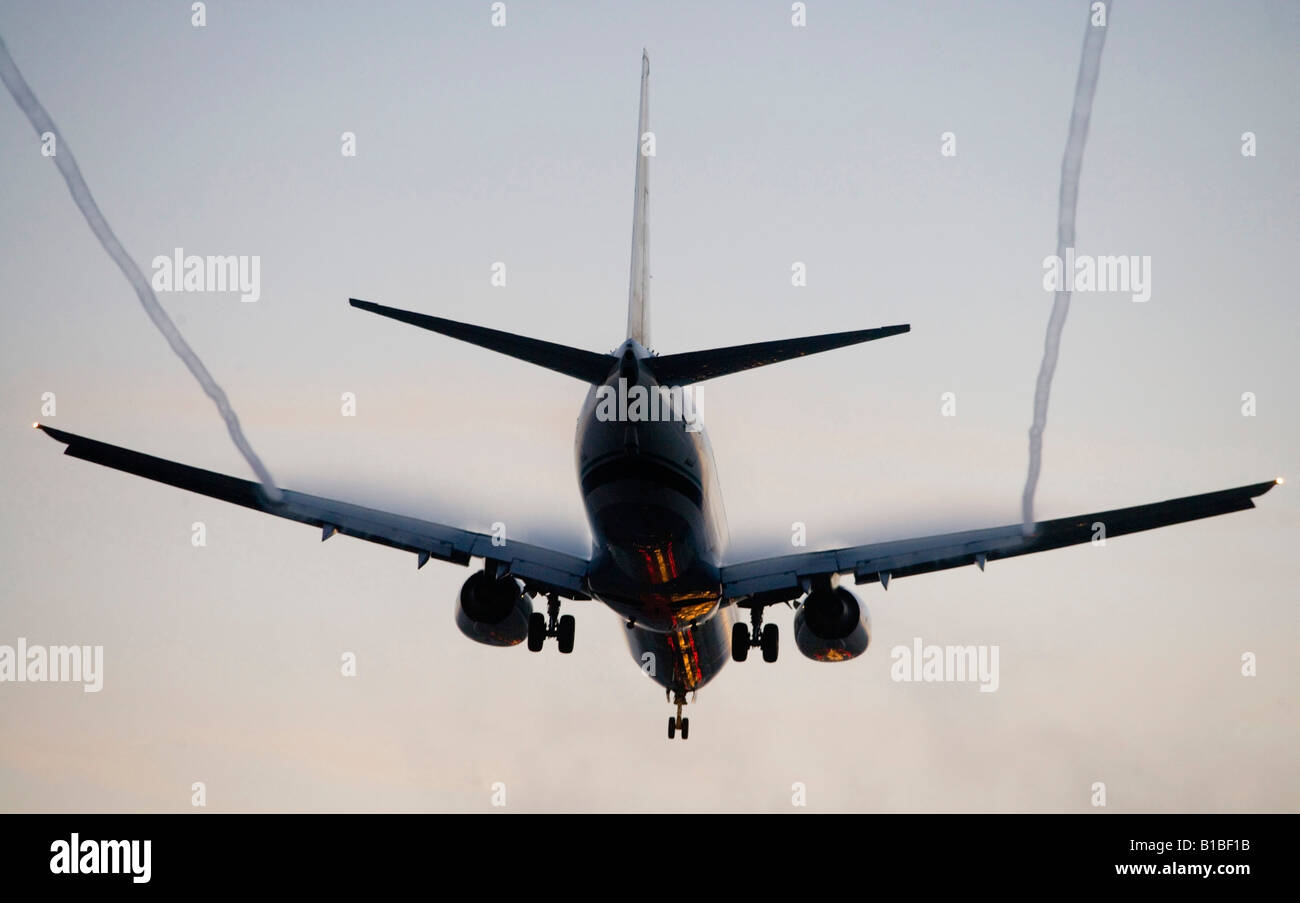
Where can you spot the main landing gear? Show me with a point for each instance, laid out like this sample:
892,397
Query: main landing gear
676,723
540,626
766,638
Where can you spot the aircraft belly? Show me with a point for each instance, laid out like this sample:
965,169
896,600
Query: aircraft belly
684,660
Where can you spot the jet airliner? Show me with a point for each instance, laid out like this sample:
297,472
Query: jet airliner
659,556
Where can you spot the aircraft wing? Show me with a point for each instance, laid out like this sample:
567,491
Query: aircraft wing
784,577
541,569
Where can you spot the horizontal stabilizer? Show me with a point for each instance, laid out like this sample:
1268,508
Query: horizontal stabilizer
696,366
587,366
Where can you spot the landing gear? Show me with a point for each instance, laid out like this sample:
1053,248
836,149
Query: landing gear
739,642
540,626
536,631
564,635
676,723
770,643
743,637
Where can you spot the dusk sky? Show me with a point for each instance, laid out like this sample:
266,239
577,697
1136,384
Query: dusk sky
775,144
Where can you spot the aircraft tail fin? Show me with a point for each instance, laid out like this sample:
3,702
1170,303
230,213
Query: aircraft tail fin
587,366
696,366
638,295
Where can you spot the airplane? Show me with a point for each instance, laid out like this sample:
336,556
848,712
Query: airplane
659,536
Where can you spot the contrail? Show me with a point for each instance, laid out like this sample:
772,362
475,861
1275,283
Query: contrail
1084,89
67,164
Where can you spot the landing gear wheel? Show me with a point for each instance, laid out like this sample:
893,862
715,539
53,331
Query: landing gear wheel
565,636
536,631
676,723
771,642
739,642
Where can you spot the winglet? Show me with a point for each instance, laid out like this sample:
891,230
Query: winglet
56,435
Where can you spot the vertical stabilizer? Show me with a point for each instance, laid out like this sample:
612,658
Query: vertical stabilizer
638,296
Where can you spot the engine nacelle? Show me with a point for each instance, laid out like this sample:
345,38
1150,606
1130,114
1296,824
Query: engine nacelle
832,625
493,612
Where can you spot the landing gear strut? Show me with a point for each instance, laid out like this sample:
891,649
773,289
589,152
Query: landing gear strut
742,637
676,723
540,626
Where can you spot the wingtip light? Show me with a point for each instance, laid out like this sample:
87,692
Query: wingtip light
1280,480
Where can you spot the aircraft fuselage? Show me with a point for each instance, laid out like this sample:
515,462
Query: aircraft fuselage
650,491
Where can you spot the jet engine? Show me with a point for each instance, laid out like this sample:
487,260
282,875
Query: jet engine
493,612
832,625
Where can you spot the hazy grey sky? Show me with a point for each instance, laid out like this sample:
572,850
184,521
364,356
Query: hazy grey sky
774,144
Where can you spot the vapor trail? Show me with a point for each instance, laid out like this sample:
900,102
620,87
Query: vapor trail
1084,89
67,165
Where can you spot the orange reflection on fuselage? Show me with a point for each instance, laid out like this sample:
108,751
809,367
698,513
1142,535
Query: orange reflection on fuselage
660,563
683,643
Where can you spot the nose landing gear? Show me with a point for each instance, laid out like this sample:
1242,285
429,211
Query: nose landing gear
676,723
540,626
